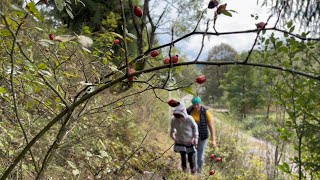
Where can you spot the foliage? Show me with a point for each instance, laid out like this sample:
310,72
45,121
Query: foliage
240,161
215,74
300,98
306,12
243,91
72,108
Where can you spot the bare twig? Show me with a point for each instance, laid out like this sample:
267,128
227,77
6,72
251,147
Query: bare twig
254,43
171,60
124,35
54,90
136,150
54,146
216,34
195,28
15,107
202,42
153,160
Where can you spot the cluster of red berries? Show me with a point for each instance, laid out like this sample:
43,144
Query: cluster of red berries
216,159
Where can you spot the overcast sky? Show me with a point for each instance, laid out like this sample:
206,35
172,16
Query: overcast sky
241,20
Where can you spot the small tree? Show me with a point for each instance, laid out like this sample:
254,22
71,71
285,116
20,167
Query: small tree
243,91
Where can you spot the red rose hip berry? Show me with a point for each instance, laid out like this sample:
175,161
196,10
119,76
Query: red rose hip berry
137,11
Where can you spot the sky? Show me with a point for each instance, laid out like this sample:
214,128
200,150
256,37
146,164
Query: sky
241,20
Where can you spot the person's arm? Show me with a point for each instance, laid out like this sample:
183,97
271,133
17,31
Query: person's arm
172,130
211,128
195,131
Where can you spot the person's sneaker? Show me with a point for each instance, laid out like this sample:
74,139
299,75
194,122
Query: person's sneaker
199,171
194,172
184,170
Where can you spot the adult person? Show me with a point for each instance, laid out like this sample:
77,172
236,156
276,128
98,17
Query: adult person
184,132
204,120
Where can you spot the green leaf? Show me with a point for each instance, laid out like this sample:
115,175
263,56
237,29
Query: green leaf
5,32
32,9
103,153
19,12
89,154
72,164
60,4
189,90
3,90
15,8
273,40
105,60
279,44
128,111
294,45
117,35
304,34
75,172
104,146
267,42
292,29
70,14
42,66
46,73
289,24
283,49
284,167
86,49
235,11
39,29
227,13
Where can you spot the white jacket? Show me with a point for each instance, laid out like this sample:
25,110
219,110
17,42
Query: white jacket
183,130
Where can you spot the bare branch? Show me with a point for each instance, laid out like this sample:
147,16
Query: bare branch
171,61
153,160
53,89
124,35
254,43
136,150
195,28
202,42
216,34
54,146
15,107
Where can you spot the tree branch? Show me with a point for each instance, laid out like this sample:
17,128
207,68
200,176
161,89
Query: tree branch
136,150
53,89
15,107
54,146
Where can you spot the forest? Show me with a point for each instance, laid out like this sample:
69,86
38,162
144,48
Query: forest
85,86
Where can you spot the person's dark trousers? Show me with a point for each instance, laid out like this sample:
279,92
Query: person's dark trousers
184,160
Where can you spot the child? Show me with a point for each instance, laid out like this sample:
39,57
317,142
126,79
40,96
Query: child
184,132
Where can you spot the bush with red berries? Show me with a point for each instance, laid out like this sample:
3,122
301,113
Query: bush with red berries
213,159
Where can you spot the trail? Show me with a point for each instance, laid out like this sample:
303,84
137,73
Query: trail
259,147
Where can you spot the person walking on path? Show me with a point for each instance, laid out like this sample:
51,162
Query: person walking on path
204,119
184,132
